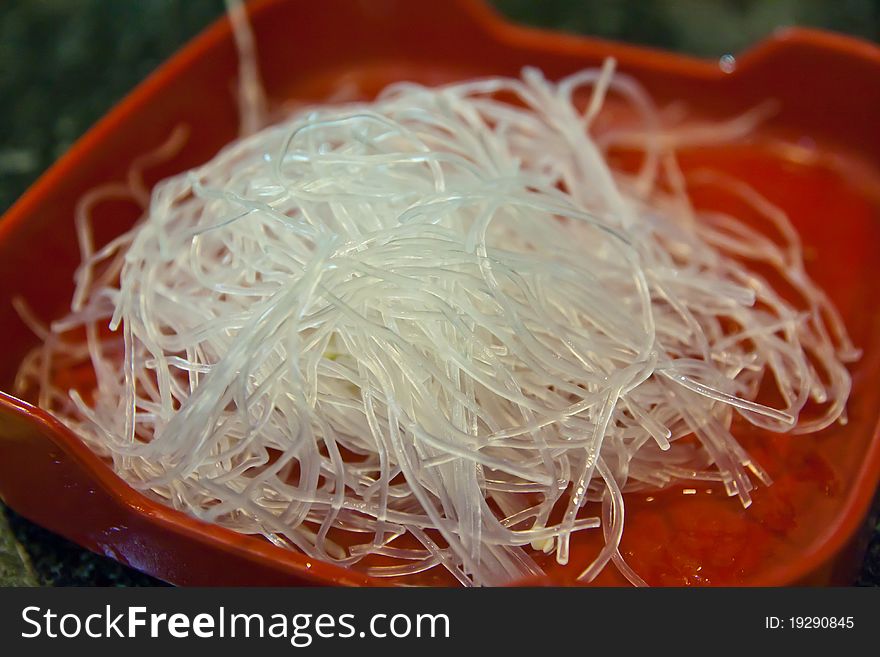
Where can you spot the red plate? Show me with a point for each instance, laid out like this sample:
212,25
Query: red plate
806,528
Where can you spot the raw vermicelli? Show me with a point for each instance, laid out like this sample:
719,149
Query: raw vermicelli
441,330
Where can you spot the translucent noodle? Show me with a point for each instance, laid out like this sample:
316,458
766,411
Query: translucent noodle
440,331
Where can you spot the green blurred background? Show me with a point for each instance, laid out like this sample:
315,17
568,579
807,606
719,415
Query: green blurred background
64,63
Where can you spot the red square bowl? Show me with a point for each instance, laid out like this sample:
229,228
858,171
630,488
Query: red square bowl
808,528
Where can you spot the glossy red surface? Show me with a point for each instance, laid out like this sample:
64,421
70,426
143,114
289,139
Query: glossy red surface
804,529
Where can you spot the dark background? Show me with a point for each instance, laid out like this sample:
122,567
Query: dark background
64,63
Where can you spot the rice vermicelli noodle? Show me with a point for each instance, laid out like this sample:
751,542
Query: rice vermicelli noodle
441,328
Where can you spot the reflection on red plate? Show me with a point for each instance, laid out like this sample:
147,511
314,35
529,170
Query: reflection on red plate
818,158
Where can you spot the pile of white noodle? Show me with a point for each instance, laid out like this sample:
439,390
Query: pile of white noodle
438,328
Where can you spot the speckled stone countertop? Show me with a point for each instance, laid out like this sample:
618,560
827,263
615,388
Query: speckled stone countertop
63,63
